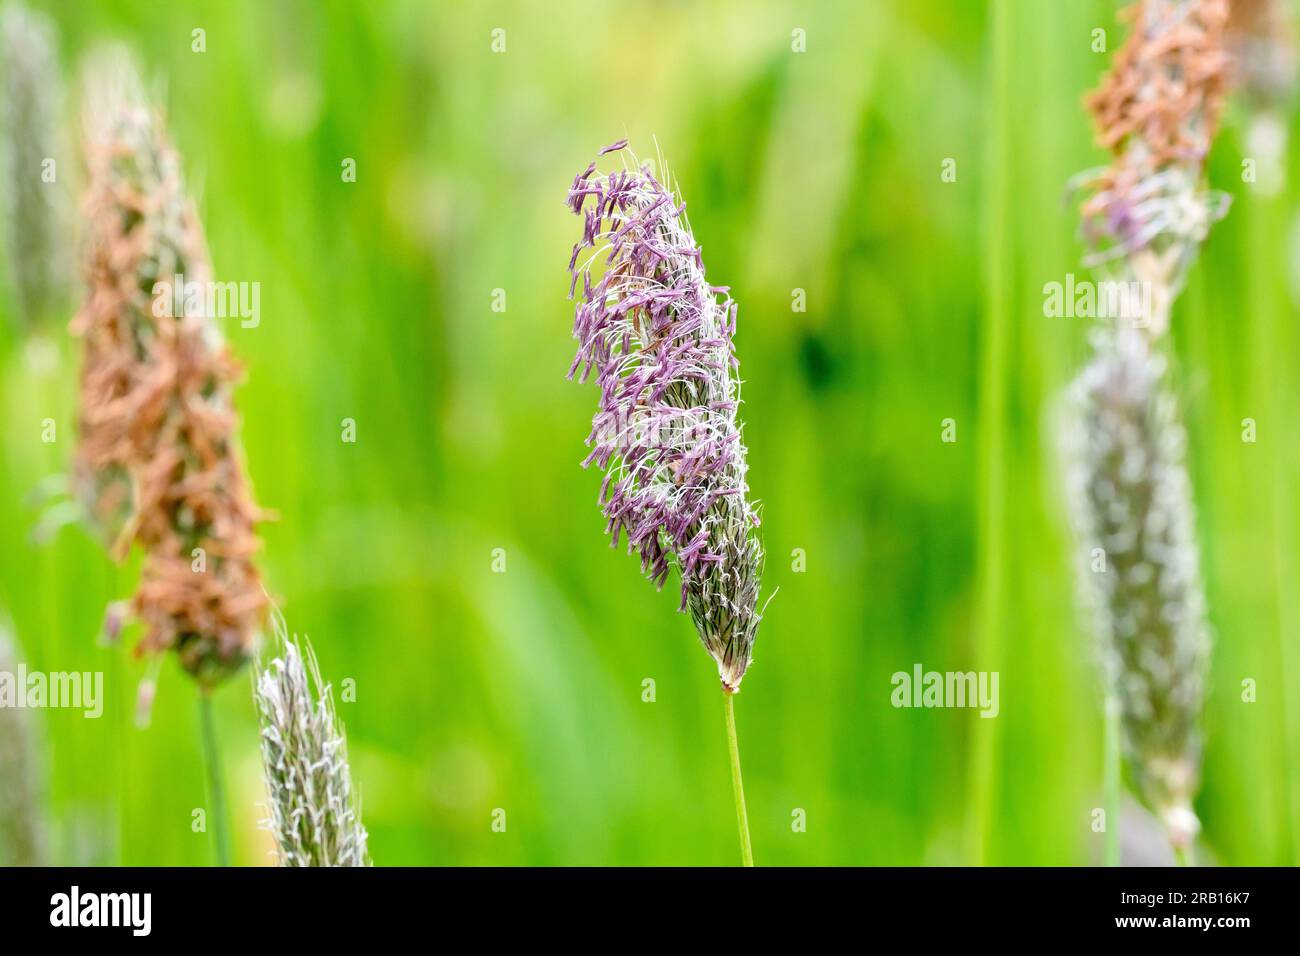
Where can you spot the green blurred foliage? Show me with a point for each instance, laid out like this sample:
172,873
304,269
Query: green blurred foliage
817,171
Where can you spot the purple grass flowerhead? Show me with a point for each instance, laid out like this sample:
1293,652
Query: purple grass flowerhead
658,337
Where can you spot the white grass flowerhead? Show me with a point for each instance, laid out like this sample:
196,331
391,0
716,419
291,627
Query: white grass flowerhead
314,815
1133,506
35,213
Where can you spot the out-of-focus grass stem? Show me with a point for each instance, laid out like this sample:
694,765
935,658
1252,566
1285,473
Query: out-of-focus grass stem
1266,221
216,785
991,423
1111,780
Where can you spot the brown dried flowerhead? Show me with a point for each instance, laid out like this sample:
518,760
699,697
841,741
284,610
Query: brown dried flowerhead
158,461
1261,44
1157,111
1160,102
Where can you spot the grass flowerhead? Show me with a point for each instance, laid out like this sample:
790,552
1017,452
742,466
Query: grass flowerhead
32,99
22,826
659,339
158,460
1147,215
1261,41
1134,509
1157,111
314,818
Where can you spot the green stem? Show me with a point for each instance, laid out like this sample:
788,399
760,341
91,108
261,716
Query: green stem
216,787
742,817
1110,780
1183,856
991,562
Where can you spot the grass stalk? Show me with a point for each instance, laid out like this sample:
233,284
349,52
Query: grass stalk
216,785
1270,326
1110,781
737,785
992,401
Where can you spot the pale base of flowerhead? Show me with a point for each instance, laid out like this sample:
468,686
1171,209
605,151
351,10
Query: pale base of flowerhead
731,675
733,656
727,624
1171,782
1181,825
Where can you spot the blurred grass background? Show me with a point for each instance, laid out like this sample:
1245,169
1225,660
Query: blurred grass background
817,171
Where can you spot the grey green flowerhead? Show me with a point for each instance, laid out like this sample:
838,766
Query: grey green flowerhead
313,809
